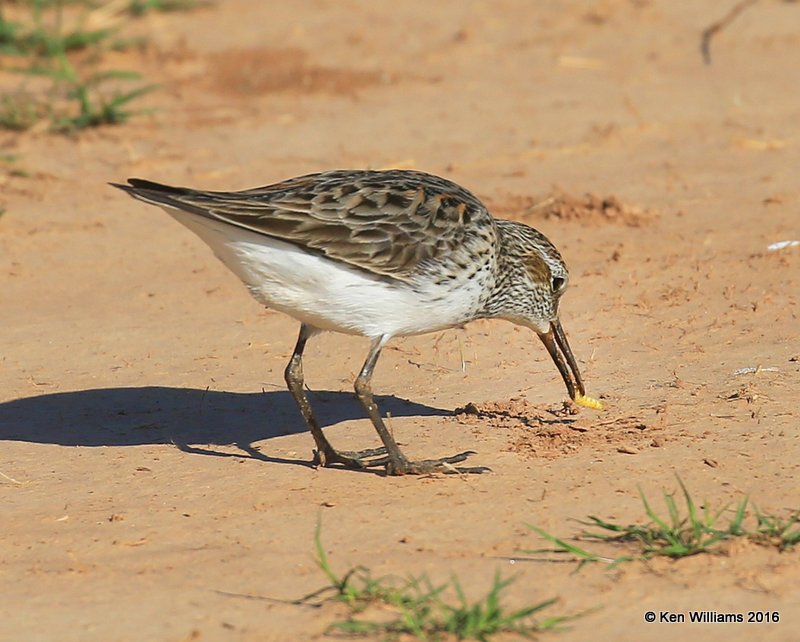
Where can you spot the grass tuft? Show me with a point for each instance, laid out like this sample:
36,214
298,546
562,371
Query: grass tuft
683,531
418,607
81,93
92,107
780,532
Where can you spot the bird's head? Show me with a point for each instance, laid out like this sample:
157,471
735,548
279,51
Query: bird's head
531,279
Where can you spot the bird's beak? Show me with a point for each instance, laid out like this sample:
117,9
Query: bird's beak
556,343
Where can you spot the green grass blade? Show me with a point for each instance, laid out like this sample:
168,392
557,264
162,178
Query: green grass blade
736,526
651,514
562,546
322,556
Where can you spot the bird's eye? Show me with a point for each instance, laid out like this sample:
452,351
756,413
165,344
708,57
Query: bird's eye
559,283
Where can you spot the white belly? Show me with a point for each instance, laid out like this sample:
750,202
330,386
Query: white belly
327,294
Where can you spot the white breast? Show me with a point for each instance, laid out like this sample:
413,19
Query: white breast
330,295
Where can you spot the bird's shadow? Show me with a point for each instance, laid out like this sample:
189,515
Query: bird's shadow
194,420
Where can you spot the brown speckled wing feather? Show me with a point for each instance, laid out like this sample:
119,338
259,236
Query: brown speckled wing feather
389,222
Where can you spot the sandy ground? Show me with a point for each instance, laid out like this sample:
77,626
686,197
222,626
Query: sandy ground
154,469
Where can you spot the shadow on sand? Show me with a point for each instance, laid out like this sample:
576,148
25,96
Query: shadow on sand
188,418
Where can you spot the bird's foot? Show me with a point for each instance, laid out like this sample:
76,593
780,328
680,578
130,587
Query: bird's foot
358,460
403,466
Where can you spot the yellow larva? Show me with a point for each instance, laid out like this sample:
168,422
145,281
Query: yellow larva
588,402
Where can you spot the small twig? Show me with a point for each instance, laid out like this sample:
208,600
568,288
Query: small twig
11,479
540,205
712,30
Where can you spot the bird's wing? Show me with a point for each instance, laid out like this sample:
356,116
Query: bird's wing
390,222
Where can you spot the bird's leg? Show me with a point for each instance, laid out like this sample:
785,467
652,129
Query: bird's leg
396,461
325,454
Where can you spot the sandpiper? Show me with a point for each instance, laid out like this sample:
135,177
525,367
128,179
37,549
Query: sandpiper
380,254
